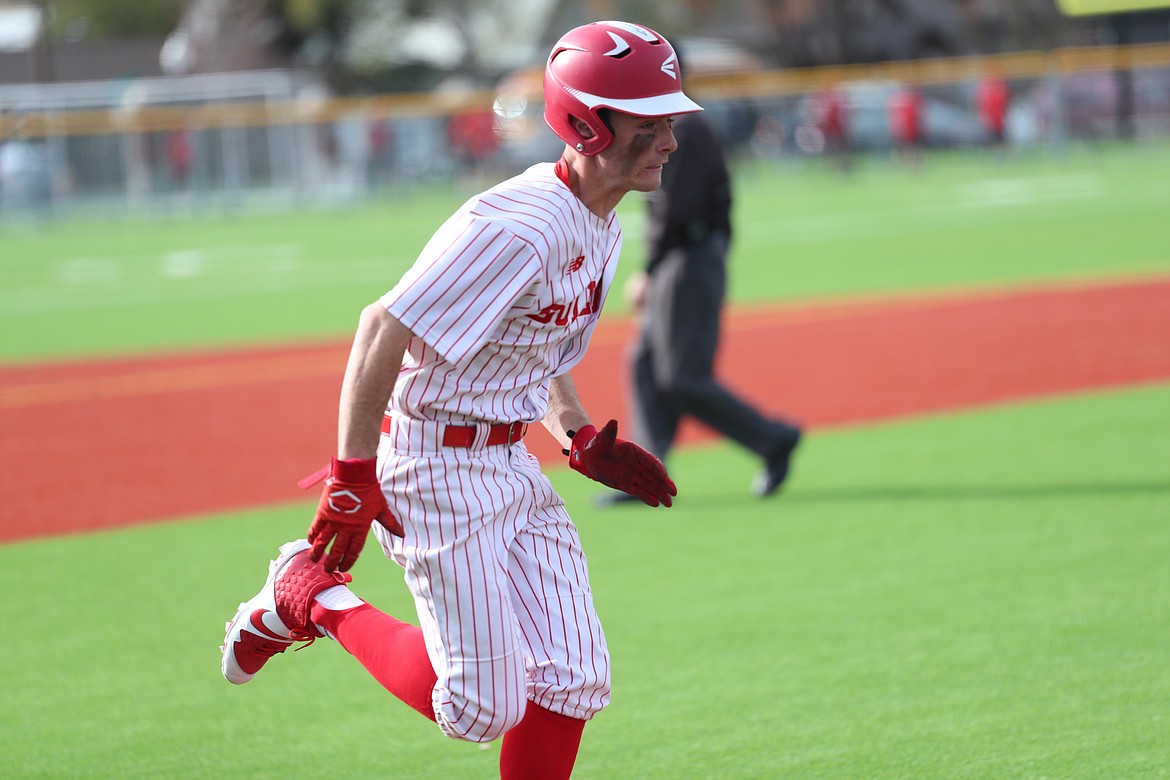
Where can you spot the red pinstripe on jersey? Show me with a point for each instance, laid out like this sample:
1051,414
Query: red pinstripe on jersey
500,582
500,301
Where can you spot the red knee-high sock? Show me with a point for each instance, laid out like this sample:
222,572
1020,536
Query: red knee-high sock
543,746
392,651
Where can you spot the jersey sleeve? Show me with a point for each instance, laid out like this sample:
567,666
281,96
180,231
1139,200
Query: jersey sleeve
462,285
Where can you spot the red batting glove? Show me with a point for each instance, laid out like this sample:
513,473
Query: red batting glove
620,464
351,501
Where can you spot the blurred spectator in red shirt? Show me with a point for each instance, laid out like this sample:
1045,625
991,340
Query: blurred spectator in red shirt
473,139
991,101
180,157
905,115
831,116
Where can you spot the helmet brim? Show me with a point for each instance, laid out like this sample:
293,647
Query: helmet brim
659,105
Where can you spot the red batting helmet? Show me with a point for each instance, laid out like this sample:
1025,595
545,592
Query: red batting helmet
616,65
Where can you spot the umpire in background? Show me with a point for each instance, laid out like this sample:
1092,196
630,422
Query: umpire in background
680,298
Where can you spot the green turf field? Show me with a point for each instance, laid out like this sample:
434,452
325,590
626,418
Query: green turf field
124,286
979,595
975,595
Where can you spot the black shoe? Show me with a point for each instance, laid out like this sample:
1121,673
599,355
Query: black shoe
614,498
775,470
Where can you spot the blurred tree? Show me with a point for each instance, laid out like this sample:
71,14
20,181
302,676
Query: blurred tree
820,32
111,19
306,19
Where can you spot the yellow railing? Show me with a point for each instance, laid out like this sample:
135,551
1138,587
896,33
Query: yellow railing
1018,65
770,83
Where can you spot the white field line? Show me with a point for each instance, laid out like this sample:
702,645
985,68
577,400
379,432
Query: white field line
1003,200
95,282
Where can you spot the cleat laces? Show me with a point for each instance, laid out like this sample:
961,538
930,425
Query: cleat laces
300,635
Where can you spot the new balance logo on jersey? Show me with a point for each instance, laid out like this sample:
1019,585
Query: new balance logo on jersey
563,314
576,263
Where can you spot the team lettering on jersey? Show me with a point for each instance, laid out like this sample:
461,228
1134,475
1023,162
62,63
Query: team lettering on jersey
563,314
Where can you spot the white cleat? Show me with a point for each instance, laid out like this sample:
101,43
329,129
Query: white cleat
278,616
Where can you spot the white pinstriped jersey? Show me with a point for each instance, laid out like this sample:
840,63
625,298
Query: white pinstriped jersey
502,299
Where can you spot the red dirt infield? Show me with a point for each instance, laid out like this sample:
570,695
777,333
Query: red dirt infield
90,445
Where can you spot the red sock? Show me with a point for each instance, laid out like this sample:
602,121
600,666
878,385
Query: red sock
543,746
392,651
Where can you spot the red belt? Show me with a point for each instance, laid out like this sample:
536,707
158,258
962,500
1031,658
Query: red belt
464,435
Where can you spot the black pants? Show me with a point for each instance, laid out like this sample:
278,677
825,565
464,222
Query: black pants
674,357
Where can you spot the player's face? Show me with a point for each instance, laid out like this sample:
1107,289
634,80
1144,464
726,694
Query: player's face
641,146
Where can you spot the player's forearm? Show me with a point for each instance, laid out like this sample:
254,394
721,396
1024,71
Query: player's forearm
565,411
374,362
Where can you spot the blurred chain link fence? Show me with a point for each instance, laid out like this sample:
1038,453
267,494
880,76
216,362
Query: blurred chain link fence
275,139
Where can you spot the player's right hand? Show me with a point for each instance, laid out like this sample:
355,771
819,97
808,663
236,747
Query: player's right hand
351,501
621,464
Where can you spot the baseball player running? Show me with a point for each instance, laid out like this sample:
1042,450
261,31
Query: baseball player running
446,373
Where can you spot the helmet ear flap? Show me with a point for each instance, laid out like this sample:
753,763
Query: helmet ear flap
568,117
592,136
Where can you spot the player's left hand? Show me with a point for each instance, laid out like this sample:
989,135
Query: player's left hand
351,501
620,464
